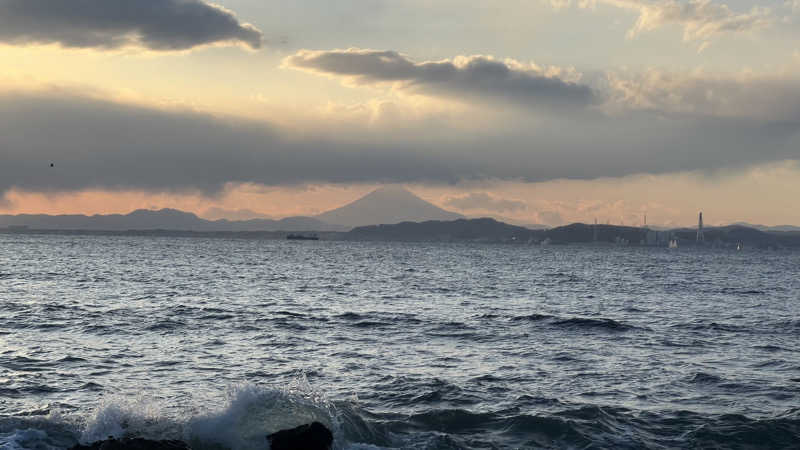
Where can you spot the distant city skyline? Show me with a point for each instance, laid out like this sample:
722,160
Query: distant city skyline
243,108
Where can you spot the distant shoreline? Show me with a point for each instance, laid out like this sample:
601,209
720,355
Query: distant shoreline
324,235
483,231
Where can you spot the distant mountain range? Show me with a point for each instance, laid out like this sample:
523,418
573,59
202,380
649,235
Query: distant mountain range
164,219
167,221
383,206
393,213
387,205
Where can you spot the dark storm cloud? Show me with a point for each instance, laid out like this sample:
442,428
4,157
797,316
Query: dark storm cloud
474,76
99,144
484,201
154,24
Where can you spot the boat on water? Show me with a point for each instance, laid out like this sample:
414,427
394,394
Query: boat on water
673,243
302,237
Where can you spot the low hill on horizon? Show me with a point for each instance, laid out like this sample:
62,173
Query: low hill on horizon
484,229
163,219
788,228
490,230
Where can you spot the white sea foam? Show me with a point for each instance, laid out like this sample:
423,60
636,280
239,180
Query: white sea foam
24,439
241,421
119,417
42,429
251,412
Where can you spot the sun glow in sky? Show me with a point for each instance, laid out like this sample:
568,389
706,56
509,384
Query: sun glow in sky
539,111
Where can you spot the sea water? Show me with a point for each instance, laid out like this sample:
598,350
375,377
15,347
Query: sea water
221,341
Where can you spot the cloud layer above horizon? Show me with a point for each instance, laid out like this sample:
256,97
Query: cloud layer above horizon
96,143
161,25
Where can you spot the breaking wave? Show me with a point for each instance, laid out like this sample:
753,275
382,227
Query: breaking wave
250,412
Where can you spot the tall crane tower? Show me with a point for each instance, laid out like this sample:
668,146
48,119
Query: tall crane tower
700,237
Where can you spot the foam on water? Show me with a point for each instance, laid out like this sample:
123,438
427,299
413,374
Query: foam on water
252,412
43,430
242,421
24,439
118,417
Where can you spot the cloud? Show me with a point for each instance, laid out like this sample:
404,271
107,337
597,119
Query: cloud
5,201
95,143
551,218
216,213
161,25
473,77
701,20
100,144
486,202
766,97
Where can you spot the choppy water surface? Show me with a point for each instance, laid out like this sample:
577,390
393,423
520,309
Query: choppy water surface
221,341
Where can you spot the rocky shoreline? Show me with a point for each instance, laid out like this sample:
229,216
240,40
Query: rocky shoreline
312,436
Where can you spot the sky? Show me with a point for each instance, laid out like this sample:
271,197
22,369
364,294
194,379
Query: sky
538,111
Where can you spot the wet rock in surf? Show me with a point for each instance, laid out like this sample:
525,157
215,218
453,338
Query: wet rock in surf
133,444
312,436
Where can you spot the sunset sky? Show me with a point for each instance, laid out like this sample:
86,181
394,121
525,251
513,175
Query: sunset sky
538,111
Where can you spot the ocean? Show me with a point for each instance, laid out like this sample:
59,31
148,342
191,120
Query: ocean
221,341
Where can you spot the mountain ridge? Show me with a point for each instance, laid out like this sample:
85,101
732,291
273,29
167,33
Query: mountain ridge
491,230
167,219
481,229
386,205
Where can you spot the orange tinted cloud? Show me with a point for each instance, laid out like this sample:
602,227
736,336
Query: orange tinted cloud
265,201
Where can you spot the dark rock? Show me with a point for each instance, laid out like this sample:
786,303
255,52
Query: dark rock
312,436
133,444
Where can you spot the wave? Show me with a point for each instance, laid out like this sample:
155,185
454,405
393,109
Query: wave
585,323
704,378
165,325
24,439
593,426
739,291
588,323
738,431
791,325
370,324
253,412
713,326
250,412
379,317
532,317
351,316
